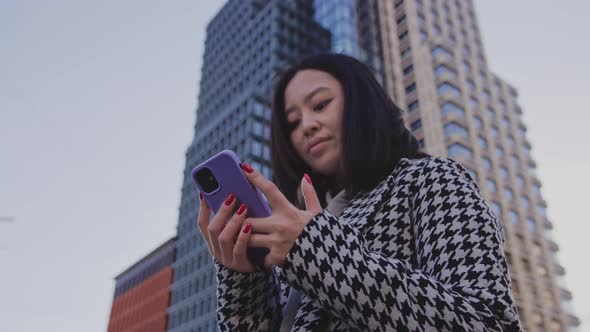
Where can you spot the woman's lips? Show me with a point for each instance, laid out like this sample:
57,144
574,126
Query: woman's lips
317,148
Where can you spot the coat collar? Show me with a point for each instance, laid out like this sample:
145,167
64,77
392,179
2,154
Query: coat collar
364,205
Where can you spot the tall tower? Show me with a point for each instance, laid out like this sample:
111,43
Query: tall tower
247,43
435,67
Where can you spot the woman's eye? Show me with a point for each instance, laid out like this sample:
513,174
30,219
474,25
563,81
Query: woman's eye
292,125
321,105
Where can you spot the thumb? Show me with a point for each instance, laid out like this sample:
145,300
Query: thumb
312,203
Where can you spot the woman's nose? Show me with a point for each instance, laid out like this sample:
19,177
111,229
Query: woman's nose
310,124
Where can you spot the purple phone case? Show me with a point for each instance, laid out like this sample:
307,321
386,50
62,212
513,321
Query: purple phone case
226,167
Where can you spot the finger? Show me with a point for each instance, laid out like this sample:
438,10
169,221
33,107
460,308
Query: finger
275,198
218,223
260,225
228,235
312,202
240,256
260,240
203,221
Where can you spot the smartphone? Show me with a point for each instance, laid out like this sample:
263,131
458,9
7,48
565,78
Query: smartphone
221,175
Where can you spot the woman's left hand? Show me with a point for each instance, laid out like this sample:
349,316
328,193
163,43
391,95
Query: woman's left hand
280,230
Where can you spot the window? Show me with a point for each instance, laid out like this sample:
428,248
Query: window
487,164
410,88
508,194
472,173
413,106
494,131
537,190
448,88
442,69
532,226
403,35
525,202
470,85
491,184
405,53
408,70
520,181
542,210
510,141
522,132
451,108
496,208
482,142
458,150
505,122
477,121
416,125
257,128
491,113
513,217
515,161
474,104
443,52
455,129
256,148
423,35
504,173
499,152
467,67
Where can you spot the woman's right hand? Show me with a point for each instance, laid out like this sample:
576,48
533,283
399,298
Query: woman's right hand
227,240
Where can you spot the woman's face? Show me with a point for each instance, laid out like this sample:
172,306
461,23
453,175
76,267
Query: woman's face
314,104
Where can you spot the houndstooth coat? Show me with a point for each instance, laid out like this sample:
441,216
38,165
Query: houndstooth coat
422,251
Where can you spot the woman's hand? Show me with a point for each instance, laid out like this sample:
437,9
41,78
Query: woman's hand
227,241
280,231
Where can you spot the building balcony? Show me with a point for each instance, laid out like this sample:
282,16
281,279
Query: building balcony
552,245
559,270
449,96
565,294
442,59
573,320
446,77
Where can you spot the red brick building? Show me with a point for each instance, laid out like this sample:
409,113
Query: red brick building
142,293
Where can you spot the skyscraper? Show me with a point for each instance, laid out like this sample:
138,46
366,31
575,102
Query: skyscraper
436,68
429,56
247,43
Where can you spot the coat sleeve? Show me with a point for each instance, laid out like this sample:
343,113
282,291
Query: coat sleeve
460,282
248,301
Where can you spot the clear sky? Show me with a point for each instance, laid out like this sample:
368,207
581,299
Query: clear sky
97,102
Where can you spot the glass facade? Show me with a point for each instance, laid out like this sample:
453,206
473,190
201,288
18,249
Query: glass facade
339,17
248,43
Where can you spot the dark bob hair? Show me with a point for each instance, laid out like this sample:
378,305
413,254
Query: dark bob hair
374,136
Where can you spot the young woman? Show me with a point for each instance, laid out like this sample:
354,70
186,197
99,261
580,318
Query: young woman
366,232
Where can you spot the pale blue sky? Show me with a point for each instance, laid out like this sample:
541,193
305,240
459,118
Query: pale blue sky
97,105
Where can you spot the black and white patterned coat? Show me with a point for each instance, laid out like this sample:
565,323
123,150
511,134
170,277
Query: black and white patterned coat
422,251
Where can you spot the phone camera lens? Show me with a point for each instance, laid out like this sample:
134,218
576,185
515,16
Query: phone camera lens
206,179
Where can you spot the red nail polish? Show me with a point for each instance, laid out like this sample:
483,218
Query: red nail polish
229,199
246,168
241,209
201,196
247,228
307,178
